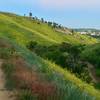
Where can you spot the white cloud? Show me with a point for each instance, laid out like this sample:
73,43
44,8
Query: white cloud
69,3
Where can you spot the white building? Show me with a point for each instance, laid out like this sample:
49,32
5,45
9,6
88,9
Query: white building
83,32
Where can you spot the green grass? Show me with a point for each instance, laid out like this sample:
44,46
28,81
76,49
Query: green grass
18,31
8,69
67,83
25,29
98,71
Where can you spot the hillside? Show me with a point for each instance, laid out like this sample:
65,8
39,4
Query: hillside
45,80
91,54
41,32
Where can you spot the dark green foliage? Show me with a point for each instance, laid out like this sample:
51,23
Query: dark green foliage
31,45
30,14
65,55
55,25
92,54
50,23
72,31
42,20
97,86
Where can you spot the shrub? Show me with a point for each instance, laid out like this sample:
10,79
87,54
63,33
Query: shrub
8,70
66,55
5,53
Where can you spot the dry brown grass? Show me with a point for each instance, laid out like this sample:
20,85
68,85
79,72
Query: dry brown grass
4,44
29,79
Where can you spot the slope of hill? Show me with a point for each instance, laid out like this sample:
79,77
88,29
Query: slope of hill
41,32
92,53
15,32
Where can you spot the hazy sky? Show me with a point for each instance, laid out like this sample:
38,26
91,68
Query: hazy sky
71,13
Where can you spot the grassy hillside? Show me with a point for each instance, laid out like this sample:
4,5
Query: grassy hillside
25,29
17,31
92,53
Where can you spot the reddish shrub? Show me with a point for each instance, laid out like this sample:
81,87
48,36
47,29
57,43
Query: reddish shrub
31,80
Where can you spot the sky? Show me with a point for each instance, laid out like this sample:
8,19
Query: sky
70,13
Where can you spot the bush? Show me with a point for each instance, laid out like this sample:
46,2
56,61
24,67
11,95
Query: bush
31,45
9,70
5,53
65,55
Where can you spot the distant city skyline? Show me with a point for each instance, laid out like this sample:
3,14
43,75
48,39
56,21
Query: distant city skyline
70,13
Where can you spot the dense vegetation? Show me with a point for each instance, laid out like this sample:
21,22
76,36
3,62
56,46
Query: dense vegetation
65,55
91,54
15,33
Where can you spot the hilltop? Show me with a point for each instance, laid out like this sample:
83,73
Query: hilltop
41,32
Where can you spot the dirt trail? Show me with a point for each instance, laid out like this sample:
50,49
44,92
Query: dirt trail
4,94
92,73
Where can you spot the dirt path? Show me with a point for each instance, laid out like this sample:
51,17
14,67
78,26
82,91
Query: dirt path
92,73
4,94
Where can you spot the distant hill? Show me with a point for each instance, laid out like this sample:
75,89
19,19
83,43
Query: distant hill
87,30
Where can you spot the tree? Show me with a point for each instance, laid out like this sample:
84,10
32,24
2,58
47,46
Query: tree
72,31
31,45
59,26
30,15
50,23
55,25
42,20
